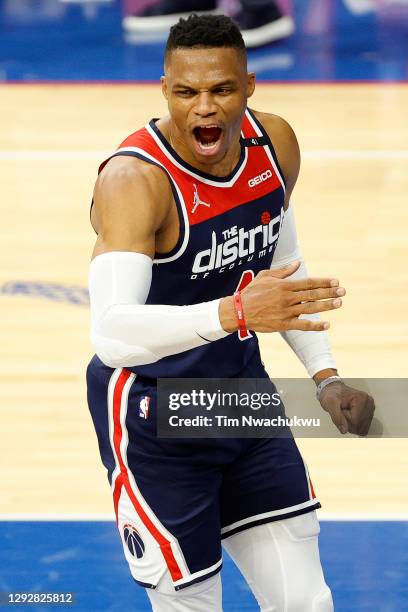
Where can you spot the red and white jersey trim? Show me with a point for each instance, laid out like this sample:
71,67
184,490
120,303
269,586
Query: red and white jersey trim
198,177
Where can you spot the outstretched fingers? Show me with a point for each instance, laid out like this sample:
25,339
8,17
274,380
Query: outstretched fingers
306,284
315,307
312,295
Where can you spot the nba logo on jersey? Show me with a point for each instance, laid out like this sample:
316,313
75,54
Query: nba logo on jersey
144,407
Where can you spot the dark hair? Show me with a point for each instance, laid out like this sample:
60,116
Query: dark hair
205,31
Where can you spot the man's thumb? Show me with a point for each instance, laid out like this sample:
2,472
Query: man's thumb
339,419
286,270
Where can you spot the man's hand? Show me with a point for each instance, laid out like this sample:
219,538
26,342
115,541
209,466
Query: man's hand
274,303
351,410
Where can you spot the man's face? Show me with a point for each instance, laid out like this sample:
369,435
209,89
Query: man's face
207,92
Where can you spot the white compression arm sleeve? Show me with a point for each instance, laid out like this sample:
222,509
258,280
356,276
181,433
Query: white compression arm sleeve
125,331
312,347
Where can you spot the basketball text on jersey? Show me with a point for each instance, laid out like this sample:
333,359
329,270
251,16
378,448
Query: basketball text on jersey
238,246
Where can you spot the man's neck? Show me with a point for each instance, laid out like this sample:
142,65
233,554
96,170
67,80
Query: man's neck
221,168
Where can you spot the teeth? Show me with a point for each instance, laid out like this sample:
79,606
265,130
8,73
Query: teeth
211,145
204,144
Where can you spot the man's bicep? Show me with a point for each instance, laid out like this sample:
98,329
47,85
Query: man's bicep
127,212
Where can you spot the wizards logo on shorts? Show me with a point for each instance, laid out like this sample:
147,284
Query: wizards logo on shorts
133,541
144,407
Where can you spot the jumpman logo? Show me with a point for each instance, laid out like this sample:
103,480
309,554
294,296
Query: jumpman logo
197,200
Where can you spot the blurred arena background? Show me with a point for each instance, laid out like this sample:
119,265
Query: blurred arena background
73,84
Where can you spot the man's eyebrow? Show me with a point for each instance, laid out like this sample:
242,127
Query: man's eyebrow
226,83
182,86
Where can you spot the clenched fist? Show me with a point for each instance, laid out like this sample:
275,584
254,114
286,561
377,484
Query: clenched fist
351,410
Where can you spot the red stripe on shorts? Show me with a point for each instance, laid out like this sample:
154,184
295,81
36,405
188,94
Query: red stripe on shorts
165,545
311,488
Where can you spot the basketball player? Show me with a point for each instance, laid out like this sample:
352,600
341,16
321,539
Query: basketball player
197,251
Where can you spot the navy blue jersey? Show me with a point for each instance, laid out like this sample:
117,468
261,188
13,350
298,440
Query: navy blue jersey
229,229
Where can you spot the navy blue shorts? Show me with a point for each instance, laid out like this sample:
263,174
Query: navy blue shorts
175,499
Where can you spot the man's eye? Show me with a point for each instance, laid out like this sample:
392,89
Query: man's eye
185,92
223,90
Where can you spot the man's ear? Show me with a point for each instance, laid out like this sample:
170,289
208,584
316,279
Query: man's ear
251,84
163,81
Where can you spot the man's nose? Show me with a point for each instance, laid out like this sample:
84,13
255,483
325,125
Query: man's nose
205,104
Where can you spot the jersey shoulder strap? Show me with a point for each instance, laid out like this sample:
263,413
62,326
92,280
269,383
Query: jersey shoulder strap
138,141
255,135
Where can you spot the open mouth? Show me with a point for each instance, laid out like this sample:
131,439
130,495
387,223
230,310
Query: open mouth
207,138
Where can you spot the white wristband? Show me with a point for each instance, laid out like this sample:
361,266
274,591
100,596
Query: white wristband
324,383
